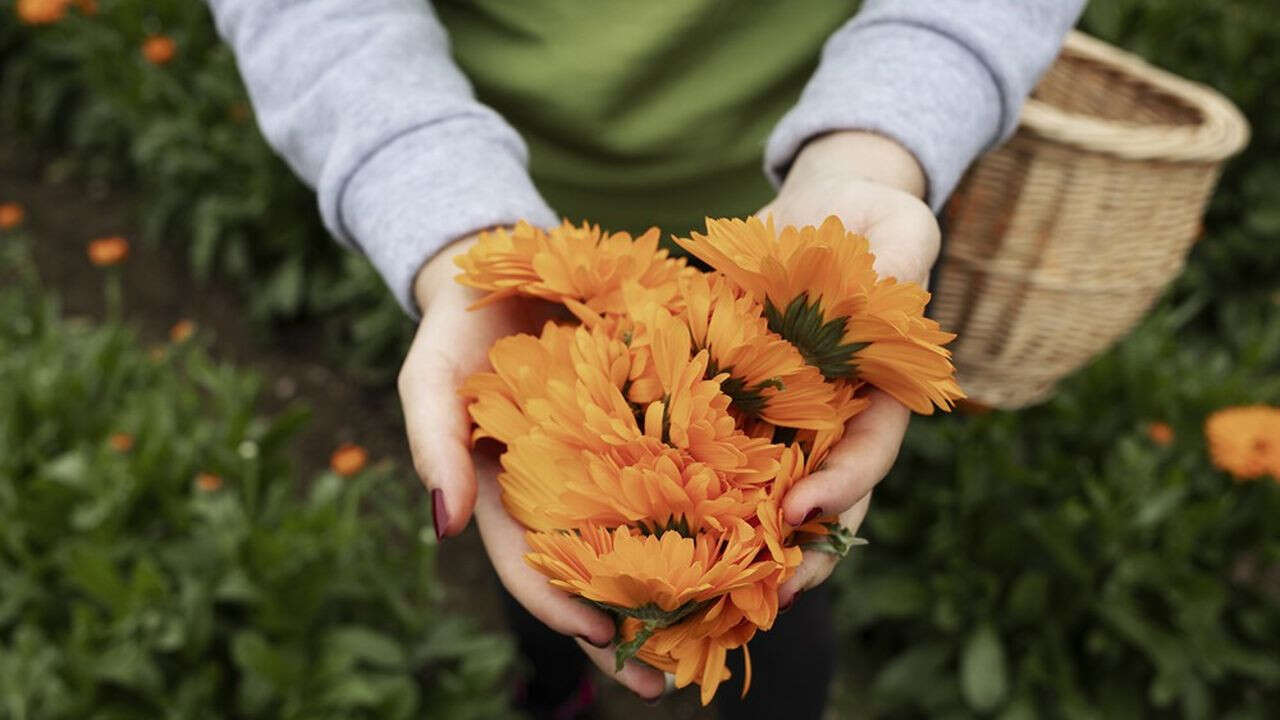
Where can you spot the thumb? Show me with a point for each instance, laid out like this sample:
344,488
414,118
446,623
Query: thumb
438,429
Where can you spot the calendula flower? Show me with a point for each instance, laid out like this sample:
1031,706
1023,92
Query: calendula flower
548,486
348,459
47,12
159,49
648,450
182,330
1160,433
566,264
108,251
11,215
41,12
1245,441
691,413
821,294
568,382
767,376
120,442
695,650
208,482
653,578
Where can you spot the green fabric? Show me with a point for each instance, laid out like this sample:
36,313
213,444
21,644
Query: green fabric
643,113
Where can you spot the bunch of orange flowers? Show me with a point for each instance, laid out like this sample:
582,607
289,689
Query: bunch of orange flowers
649,444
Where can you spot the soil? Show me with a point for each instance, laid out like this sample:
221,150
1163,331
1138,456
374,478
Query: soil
159,290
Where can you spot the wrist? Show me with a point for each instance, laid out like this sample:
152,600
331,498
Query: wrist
438,271
856,154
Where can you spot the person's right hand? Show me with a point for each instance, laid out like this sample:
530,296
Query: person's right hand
451,343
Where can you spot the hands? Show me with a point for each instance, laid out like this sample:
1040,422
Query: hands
874,185
451,343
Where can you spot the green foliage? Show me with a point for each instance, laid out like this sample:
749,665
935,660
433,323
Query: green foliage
183,134
1057,562
129,591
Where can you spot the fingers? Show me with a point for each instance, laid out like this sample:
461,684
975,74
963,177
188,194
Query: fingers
859,461
504,542
637,677
817,566
438,429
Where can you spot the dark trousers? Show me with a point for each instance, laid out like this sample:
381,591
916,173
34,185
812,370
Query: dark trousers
792,664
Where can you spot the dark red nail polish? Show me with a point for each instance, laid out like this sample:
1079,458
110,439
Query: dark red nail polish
790,602
439,515
815,512
652,701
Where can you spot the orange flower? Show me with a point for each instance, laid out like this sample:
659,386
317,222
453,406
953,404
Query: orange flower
348,459
11,215
768,378
695,650
640,450
182,330
208,482
628,570
690,412
120,442
159,49
42,12
821,294
1245,441
1160,433
47,12
108,251
567,264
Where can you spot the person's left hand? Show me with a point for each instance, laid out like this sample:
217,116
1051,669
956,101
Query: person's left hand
874,186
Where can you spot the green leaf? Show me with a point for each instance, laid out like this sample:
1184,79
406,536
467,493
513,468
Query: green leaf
984,676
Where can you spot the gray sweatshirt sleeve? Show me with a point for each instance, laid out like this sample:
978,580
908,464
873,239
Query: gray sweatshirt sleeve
946,78
362,99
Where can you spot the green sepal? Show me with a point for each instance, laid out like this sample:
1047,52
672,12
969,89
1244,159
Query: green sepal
820,343
839,540
652,618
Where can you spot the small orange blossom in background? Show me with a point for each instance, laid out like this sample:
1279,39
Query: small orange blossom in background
11,215
47,12
208,482
120,442
108,251
182,330
159,49
1245,441
348,459
1160,433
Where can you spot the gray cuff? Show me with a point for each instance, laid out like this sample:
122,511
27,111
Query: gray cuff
907,82
429,187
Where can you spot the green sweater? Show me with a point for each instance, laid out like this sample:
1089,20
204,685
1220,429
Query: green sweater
662,124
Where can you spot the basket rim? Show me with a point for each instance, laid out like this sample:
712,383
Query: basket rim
1222,132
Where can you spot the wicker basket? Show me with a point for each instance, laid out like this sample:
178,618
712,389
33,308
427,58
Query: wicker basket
1060,240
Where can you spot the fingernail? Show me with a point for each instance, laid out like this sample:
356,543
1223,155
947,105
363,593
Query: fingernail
790,602
439,515
593,643
653,701
815,512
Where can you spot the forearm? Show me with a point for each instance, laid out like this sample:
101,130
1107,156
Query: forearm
365,104
945,79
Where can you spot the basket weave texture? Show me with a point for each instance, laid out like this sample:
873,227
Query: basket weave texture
1057,242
